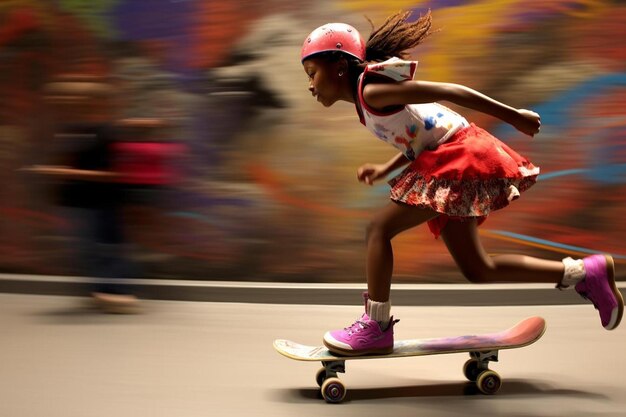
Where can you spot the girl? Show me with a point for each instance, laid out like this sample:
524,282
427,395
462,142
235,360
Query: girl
457,173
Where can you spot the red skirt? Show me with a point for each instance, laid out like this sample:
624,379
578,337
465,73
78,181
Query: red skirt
470,175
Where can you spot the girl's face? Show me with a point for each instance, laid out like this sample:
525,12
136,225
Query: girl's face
325,83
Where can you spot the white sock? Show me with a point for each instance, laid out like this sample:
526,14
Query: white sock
380,312
574,272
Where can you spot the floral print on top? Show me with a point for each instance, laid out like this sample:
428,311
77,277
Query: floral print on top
414,127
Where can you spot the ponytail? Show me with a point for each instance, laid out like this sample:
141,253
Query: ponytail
396,36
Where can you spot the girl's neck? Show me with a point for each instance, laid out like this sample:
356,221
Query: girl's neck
354,74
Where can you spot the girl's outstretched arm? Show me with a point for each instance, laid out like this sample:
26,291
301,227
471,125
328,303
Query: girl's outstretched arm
380,96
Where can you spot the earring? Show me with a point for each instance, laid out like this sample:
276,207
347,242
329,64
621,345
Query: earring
341,73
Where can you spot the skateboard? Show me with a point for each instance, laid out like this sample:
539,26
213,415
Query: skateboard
482,348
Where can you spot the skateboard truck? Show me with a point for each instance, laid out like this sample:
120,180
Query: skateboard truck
332,368
488,356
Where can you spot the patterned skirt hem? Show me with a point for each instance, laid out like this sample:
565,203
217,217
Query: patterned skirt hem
461,198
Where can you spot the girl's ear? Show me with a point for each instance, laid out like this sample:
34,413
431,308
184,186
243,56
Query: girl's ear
342,66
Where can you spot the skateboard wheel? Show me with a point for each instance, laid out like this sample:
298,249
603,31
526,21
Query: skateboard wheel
333,390
489,382
471,370
320,376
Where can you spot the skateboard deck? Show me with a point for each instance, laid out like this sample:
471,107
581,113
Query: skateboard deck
483,348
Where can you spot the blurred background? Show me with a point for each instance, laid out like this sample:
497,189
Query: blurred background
177,139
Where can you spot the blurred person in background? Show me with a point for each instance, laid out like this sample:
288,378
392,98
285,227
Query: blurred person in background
147,159
83,108
457,173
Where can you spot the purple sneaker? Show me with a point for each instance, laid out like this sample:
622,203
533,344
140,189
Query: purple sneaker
599,287
364,337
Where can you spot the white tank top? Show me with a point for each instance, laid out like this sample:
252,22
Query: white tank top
414,127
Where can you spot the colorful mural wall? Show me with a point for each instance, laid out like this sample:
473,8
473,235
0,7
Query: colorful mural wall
267,187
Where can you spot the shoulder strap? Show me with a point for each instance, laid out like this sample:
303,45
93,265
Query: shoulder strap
394,68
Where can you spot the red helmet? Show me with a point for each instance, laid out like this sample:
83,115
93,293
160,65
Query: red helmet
334,37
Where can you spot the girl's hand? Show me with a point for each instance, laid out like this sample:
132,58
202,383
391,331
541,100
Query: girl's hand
528,122
368,173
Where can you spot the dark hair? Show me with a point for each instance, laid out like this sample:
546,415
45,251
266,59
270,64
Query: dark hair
396,36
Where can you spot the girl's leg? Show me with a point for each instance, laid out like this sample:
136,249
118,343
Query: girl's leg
387,223
593,277
373,332
463,242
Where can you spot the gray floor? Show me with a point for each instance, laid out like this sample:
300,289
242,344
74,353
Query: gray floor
181,359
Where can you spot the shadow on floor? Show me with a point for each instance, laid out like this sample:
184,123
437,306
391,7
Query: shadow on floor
510,388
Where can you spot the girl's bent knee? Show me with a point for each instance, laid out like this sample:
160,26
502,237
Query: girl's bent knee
375,228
